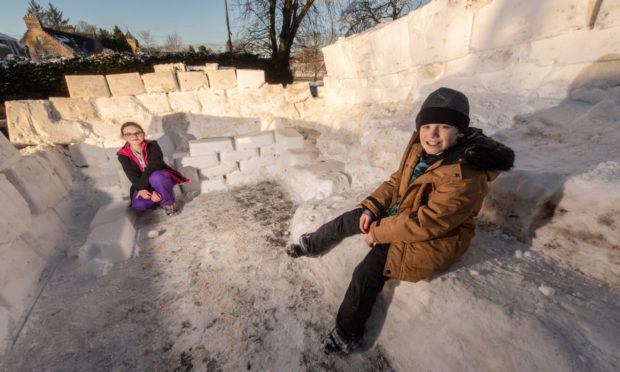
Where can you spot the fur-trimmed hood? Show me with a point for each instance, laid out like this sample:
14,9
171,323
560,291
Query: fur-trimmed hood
482,152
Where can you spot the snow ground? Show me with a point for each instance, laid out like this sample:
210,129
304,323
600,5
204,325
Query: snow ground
538,289
215,291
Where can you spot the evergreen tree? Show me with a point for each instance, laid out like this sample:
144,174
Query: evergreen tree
203,49
53,17
114,40
34,9
191,49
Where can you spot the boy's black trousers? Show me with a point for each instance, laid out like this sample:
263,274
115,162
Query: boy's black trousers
367,280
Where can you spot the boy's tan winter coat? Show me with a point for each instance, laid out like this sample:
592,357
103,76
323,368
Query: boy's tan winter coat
435,221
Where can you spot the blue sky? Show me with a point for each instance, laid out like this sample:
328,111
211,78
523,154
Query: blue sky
196,21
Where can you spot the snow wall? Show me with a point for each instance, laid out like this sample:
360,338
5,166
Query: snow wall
533,72
523,47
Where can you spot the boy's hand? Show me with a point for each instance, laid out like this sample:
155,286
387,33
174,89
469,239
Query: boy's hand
365,219
144,194
156,197
370,240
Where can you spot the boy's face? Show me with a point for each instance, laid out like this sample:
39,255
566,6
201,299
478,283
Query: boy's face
436,138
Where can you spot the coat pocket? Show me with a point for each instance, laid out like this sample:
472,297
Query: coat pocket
425,259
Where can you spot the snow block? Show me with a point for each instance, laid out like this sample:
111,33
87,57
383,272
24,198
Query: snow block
254,140
7,328
84,155
520,198
36,181
156,103
112,212
525,21
293,157
298,92
213,184
15,213
165,67
201,161
238,178
36,122
250,78
20,270
230,156
390,41
74,108
86,86
219,170
130,84
9,155
112,241
250,165
119,108
211,145
586,46
47,234
60,163
212,66
110,185
269,152
184,102
289,138
608,15
192,80
160,82
222,79
317,181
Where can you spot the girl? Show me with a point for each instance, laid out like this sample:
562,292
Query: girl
151,178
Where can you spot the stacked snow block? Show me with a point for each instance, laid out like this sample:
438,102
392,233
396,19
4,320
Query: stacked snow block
101,165
224,162
112,234
31,232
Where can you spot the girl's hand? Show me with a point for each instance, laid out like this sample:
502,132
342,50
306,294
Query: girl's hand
144,194
156,197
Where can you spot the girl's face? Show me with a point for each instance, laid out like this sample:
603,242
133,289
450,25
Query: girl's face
133,135
436,138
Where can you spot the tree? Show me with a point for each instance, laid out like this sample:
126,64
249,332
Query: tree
360,15
34,9
173,43
114,40
271,27
203,50
53,17
148,41
85,28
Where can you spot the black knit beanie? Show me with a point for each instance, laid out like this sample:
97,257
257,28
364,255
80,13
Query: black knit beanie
444,106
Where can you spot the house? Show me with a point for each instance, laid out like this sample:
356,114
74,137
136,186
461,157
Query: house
57,42
10,46
133,42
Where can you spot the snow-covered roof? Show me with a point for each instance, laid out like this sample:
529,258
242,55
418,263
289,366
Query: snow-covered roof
6,37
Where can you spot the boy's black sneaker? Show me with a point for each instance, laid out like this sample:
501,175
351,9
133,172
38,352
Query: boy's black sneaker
300,249
336,343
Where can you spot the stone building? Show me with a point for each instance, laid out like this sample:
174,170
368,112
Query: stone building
63,41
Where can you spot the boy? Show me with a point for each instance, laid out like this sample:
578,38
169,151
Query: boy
421,220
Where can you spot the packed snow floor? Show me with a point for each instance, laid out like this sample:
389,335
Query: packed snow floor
214,291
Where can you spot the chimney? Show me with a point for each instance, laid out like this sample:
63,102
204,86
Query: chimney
66,28
32,22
